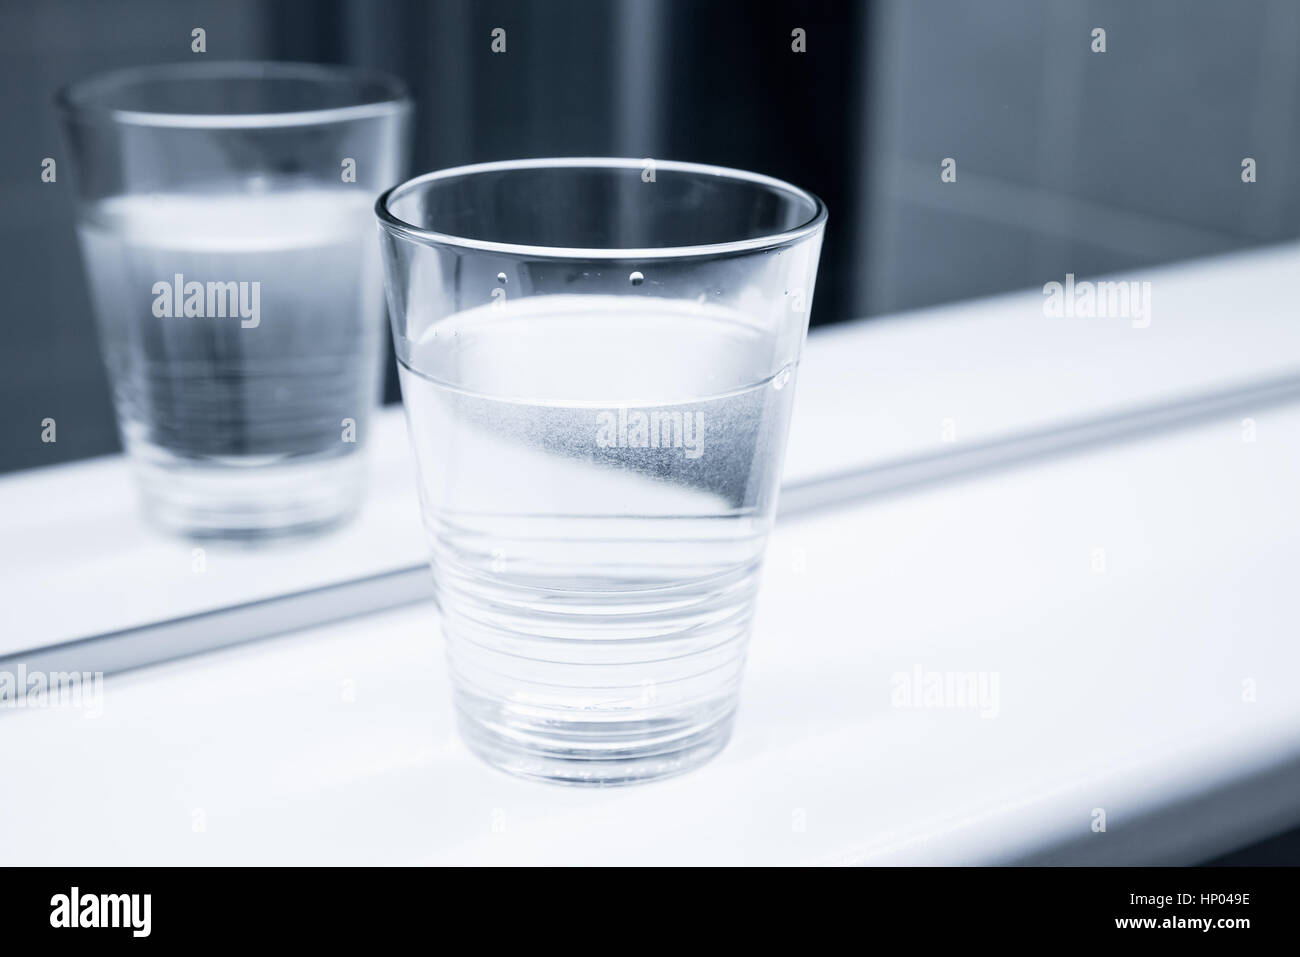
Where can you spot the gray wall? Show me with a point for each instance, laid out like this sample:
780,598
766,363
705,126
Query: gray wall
1070,160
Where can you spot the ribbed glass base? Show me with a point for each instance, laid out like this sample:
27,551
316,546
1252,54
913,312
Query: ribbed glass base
593,752
245,499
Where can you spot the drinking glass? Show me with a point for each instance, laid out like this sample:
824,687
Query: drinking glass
224,217
597,361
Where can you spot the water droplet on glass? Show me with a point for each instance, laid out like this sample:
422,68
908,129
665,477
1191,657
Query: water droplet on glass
636,278
781,379
501,278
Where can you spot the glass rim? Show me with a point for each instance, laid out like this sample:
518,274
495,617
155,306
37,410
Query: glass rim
400,227
70,97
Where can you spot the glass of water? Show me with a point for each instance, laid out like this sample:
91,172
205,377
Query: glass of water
598,359
225,224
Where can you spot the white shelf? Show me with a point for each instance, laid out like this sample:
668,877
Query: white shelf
76,561
1120,690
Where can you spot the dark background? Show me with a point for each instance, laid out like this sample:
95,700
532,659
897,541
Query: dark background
1068,161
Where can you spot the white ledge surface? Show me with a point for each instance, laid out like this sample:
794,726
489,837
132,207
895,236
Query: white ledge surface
1124,690
75,560
1136,603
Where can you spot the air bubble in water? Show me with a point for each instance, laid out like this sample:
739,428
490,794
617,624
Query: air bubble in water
501,278
781,379
636,278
